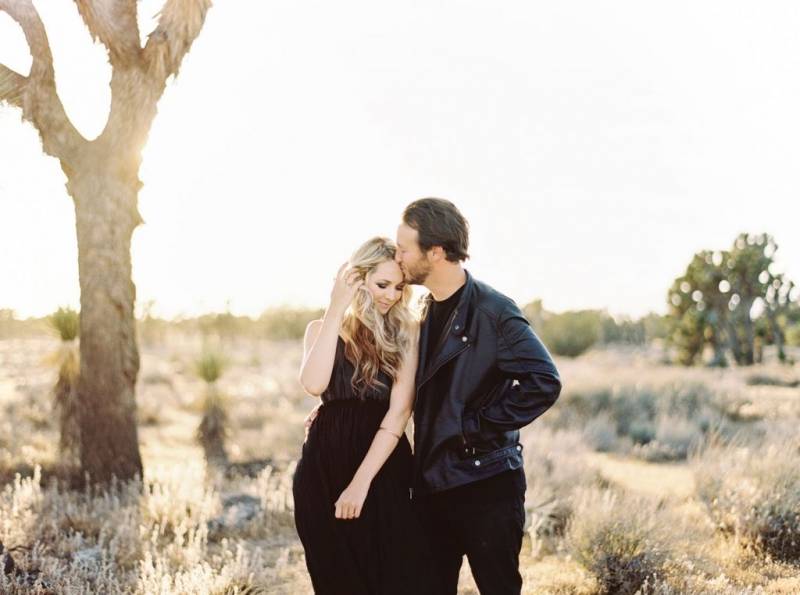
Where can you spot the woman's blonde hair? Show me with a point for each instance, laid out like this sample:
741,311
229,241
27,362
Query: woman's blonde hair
375,342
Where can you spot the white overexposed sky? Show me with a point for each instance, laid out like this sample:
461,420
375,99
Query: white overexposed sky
594,147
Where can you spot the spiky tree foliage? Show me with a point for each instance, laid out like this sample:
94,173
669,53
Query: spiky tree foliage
103,181
65,322
698,303
712,303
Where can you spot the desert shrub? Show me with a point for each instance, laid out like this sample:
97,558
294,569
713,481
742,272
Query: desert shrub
147,537
286,323
555,467
673,440
624,540
753,492
662,423
571,333
763,379
601,433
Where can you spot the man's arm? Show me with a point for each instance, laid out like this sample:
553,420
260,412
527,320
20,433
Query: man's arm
524,358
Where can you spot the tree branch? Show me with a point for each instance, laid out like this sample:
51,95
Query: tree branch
12,86
179,24
114,23
37,93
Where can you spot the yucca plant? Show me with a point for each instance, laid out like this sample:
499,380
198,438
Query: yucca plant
65,322
213,429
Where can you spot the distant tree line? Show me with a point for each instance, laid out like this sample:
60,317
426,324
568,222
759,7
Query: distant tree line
283,323
573,332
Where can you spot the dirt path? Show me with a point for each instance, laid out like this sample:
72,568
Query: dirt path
655,479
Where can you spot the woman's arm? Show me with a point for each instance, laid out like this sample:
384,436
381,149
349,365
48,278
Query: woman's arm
319,343
401,403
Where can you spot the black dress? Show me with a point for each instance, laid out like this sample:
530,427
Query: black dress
382,552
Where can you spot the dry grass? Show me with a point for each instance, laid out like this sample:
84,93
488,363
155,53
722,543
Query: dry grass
185,529
753,492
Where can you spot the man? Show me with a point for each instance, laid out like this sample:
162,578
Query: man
482,375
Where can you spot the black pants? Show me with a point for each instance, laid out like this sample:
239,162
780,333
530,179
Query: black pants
484,521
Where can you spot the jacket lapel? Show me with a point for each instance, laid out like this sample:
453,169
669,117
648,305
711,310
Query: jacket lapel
456,338
424,331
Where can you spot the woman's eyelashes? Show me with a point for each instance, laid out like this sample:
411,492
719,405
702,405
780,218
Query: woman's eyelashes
384,285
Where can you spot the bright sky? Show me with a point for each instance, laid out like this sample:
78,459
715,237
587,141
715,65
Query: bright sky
594,147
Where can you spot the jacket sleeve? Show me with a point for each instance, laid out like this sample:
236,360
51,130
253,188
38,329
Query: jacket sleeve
522,357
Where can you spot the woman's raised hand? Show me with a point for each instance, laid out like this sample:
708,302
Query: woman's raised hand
345,287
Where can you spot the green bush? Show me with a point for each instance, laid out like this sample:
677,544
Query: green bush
210,366
285,323
571,333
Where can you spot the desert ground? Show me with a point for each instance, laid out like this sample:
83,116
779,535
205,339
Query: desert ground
643,477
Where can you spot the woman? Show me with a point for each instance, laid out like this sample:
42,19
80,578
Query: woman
351,487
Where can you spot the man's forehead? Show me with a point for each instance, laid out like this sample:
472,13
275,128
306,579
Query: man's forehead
405,232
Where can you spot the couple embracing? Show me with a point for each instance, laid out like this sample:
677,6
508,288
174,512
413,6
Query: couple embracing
373,518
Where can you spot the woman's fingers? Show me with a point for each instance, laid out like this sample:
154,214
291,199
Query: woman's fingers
353,279
347,511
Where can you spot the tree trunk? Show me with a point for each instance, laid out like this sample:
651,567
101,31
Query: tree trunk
748,356
718,339
103,182
106,215
733,340
777,333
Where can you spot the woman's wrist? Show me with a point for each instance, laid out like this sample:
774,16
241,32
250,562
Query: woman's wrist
361,480
388,431
335,314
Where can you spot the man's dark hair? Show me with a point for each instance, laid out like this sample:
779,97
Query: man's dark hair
439,223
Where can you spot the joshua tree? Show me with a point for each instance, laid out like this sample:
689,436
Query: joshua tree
213,428
65,398
712,302
103,181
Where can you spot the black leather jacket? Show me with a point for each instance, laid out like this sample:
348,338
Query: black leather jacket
490,377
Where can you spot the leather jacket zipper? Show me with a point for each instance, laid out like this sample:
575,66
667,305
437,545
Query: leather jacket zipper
433,373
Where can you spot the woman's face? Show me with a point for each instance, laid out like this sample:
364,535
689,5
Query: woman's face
386,284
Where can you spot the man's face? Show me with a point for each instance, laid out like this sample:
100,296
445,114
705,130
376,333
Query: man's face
415,264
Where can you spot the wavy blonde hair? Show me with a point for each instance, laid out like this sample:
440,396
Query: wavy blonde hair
373,341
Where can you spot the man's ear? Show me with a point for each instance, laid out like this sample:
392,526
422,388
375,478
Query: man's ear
435,254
